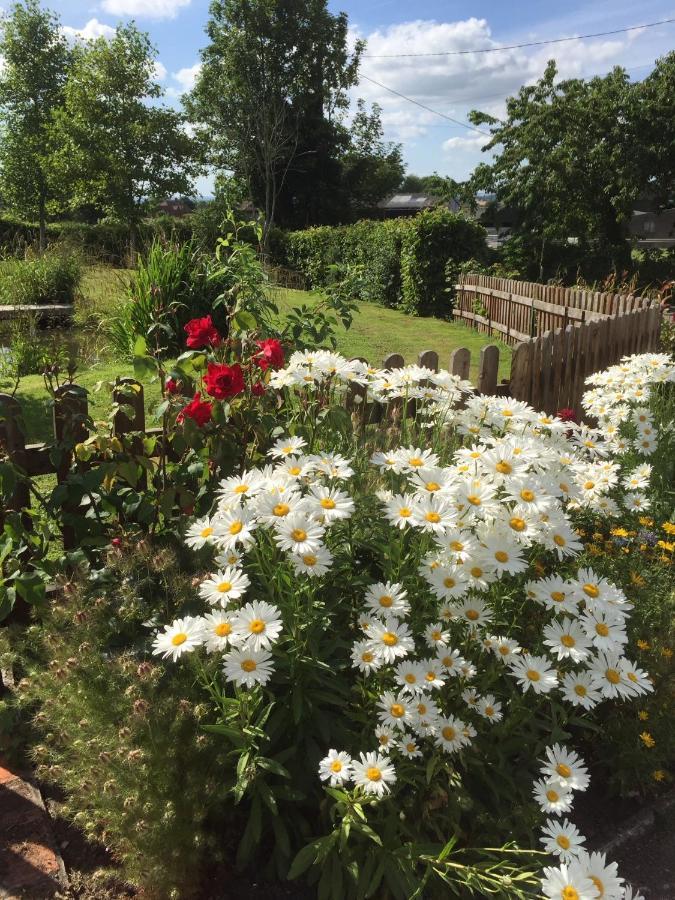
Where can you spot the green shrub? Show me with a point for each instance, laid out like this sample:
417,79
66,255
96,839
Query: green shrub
403,260
51,278
139,773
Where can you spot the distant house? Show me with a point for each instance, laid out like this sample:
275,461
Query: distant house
401,205
649,228
179,207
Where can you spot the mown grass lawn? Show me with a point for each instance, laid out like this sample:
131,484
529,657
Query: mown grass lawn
375,333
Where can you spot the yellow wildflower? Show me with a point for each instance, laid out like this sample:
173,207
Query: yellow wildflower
647,739
666,545
658,775
598,536
643,715
637,579
619,532
645,520
667,652
643,645
669,527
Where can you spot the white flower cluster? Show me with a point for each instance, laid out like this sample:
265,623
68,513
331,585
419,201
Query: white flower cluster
296,500
581,874
500,496
312,369
620,398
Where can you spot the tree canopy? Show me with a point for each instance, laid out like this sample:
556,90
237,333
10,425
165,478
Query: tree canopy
32,80
114,149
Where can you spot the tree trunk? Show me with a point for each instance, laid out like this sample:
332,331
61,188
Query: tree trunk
133,254
42,213
541,260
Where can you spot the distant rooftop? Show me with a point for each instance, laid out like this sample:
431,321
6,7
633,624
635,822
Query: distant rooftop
409,201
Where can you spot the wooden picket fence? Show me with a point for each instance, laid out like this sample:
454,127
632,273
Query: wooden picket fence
520,310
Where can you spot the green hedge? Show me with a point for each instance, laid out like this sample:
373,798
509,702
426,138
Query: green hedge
107,241
403,261
51,278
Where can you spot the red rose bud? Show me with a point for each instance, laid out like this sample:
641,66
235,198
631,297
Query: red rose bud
567,415
197,409
171,386
223,381
258,389
202,333
271,355
116,542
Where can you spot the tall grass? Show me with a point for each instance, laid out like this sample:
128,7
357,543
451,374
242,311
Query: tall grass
51,278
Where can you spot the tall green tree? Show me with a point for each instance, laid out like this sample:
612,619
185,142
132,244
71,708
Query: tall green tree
118,148
372,167
36,59
656,127
570,159
269,101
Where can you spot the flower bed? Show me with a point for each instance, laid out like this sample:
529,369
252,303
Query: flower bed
408,648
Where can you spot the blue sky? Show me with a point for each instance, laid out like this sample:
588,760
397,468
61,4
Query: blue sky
451,84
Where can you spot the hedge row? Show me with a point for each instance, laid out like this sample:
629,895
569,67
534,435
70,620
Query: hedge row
107,241
402,262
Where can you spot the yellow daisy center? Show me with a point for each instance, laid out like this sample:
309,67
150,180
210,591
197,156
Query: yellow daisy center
416,461
504,468
367,656
472,614
389,638
474,500
281,509
299,535
432,486
563,841
517,524
327,503
432,517
410,678
533,675
223,629
309,559
591,590
567,640
224,587
476,571
559,540
527,495
613,676
236,527
249,665
404,512
206,532
449,733
256,626
241,489
563,770
580,690
397,710
373,774
336,766
601,629
179,639
552,796
502,556
557,596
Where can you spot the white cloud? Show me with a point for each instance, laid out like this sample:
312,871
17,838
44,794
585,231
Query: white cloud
453,85
151,9
159,71
185,80
93,29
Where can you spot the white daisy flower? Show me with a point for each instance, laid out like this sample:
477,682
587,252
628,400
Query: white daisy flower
451,661
568,882
374,773
607,630
608,670
450,735
489,708
567,639
364,658
234,526
409,747
395,710
387,738
504,648
182,636
336,768
200,533
391,639
258,624
566,767
580,689
399,510
217,631
562,838
604,875
387,598
410,676
248,667
299,534
316,563
533,672
286,446
223,586
552,797
435,635
329,504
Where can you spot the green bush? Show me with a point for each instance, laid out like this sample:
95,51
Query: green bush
140,774
48,279
403,260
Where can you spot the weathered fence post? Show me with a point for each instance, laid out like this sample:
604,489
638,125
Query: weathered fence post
489,367
12,440
460,363
70,429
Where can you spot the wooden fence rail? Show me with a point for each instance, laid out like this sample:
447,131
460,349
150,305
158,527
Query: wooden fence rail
520,310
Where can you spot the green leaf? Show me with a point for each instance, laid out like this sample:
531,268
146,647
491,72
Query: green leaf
31,587
244,321
272,766
140,346
232,733
304,859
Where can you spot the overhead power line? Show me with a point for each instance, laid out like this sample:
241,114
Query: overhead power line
562,40
423,106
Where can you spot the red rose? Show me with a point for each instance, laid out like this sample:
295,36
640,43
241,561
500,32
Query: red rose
567,415
197,409
271,354
171,386
258,389
202,333
222,381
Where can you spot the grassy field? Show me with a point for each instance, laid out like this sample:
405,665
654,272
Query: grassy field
375,333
